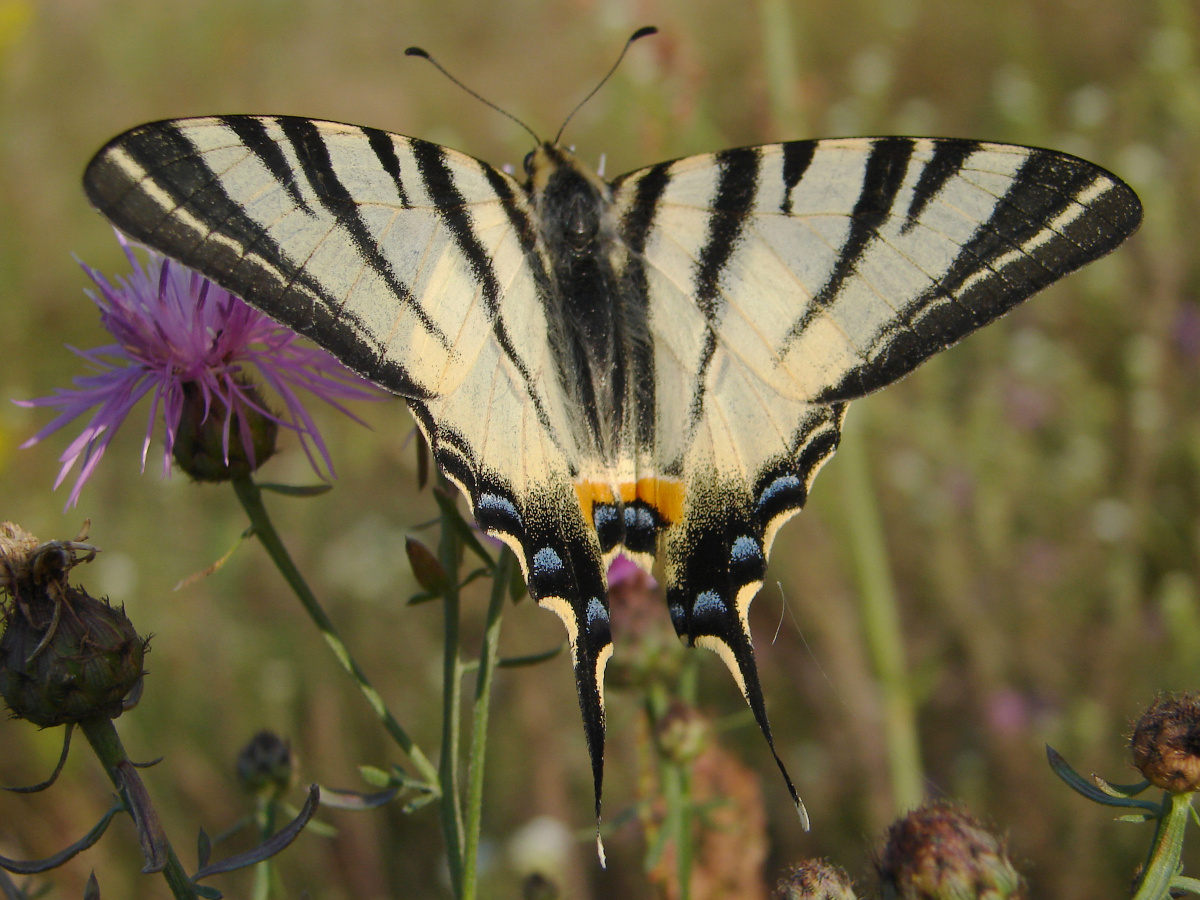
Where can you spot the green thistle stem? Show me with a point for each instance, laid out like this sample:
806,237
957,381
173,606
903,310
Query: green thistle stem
881,619
488,656
1163,860
449,551
251,499
264,872
102,735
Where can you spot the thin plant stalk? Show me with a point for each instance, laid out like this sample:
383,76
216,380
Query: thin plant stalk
488,656
250,495
880,619
264,872
102,735
449,551
1162,863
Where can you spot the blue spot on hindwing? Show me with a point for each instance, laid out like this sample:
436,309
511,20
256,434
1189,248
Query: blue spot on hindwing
603,516
596,613
782,485
708,603
495,506
745,550
546,562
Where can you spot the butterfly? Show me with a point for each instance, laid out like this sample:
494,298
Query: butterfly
656,365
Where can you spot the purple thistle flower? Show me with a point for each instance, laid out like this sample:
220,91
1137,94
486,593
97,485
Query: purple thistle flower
177,331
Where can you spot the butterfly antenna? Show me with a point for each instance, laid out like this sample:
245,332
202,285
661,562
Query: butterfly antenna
424,54
640,33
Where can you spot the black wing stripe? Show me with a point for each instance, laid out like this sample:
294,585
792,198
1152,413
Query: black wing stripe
732,205
315,162
946,162
252,131
452,209
635,227
1022,248
174,191
885,171
385,151
797,156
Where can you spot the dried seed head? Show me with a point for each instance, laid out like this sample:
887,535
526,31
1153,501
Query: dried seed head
815,879
265,766
68,658
1166,743
939,852
64,656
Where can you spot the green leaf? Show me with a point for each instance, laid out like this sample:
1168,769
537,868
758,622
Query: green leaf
517,662
1082,786
91,890
418,803
203,848
375,776
426,567
62,760
356,800
269,847
516,585
1183,883
1120,790
37,866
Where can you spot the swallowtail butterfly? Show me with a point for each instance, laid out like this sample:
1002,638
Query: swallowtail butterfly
655,365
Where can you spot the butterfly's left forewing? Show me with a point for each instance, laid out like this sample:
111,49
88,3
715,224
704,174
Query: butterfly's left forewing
785,280
421,269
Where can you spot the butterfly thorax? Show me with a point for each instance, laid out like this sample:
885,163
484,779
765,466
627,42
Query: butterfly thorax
592,333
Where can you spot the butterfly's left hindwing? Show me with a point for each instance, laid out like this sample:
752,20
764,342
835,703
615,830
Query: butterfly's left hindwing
660,363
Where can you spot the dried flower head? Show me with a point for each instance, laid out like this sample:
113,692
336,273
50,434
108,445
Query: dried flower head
939,852
64,656
191,346
265,766
1166,743
815,879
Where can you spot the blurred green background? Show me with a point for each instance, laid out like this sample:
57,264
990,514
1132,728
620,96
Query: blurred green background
1037,487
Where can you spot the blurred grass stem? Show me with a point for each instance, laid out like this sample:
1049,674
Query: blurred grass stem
488,657
250,495
449,552
880,617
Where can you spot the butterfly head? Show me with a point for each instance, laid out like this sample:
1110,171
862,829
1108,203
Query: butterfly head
549,162
572,200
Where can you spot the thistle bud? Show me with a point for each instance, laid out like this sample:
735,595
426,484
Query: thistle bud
204,437
64,656
265,767
938,852
1166,743
815,879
